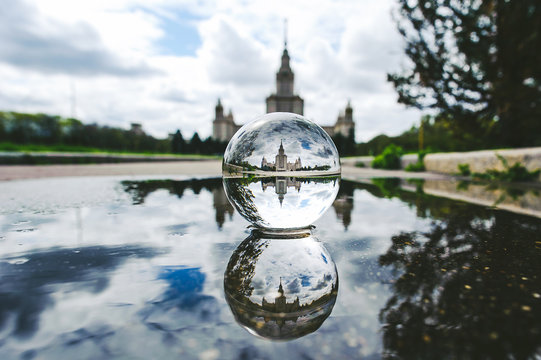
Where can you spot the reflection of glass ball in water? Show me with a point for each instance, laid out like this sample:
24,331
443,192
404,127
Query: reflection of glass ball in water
281,171
281,202
281,288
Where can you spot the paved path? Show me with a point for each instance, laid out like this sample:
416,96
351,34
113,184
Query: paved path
207,168
356,173
17,172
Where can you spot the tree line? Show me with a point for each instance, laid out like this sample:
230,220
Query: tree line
69,133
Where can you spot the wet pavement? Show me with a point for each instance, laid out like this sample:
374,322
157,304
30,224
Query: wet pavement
162,267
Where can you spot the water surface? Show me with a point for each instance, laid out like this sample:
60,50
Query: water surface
134,268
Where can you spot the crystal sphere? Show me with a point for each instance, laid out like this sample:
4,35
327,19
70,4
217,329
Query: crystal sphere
281,171
281,286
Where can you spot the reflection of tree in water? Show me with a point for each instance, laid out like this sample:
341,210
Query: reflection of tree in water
241,265
139,190
469,288
25,288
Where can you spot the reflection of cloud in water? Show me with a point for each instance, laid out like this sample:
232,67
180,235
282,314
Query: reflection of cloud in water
300,137
25,286
297,264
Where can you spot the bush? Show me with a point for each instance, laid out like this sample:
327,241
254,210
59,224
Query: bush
416,167
464,169
389,158
419,165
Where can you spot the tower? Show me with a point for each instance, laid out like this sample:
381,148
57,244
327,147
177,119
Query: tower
284,100
223,127
281,159
344,123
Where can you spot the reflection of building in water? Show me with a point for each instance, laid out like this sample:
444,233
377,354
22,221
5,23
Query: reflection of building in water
343,206
280,163
280,185
280,304
284,100
221,205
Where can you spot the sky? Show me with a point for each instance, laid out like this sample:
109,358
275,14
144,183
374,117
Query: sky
164,63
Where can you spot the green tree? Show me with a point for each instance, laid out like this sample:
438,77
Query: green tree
178,145
195,144
477,63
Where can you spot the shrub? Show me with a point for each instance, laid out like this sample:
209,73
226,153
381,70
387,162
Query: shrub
416,167
419,165
464,169
389,158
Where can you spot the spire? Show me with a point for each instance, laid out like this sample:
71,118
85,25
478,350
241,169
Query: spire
348,115
281,150
219,110
285,33
281,289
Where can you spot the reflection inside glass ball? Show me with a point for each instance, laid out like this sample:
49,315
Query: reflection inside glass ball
281,202
281,171
281,286
281,142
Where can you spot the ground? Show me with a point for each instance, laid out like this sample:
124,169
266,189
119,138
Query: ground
200,168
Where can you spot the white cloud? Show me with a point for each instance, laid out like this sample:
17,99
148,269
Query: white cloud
111,51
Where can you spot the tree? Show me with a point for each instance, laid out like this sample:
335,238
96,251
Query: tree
477,63
178,145
195,143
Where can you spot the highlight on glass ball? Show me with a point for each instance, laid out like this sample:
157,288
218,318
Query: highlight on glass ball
281,289
281,171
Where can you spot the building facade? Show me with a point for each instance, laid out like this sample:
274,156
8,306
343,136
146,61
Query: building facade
284,100
344,124
280,162
223,127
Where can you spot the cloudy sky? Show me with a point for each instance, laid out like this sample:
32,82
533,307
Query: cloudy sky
164,63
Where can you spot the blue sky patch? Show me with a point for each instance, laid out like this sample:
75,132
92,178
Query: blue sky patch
305,145
181,37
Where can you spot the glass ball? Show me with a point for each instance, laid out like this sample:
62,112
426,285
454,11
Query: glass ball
281,171
281,286
281,143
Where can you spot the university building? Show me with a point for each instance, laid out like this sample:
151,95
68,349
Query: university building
284,100
281,163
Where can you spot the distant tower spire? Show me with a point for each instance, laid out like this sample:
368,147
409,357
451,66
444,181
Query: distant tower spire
285,33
